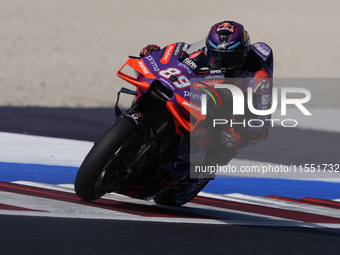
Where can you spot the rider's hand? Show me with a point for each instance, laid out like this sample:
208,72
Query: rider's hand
148,50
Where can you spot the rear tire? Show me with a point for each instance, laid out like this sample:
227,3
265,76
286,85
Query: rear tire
102,156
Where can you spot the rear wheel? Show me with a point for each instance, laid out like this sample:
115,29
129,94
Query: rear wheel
109,161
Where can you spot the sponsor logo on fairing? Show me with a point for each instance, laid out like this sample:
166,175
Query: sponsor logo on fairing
215,71
210,83
191,105
190,63
261,50
143,67
177,49
184,66
211,77
185,47
167,54
167,83
192,95
153,63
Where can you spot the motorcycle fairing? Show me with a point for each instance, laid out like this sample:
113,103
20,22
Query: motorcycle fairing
167,66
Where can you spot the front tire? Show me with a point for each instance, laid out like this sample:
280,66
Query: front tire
107,153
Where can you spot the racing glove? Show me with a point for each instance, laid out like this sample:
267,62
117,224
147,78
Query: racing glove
151,48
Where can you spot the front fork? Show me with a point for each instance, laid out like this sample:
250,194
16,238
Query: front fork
152,118
149,114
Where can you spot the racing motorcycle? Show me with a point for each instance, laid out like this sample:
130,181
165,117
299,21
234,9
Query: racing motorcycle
145,153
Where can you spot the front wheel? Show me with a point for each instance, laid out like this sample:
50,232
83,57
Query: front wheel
108,160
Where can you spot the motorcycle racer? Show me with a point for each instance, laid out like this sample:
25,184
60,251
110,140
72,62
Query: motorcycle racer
151,150
228,48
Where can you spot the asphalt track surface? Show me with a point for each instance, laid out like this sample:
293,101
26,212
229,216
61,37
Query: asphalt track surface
39,235
53,235
89,123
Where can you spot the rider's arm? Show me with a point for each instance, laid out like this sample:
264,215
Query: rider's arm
257,130
260,63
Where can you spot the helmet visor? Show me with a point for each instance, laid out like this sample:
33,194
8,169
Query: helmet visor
227,58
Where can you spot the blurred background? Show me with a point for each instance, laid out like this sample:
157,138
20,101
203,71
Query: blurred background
67,52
